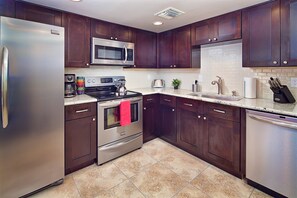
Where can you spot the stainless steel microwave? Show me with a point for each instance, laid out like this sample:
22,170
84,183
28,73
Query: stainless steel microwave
111,52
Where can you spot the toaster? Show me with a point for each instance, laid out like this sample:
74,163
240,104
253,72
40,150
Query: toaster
158,83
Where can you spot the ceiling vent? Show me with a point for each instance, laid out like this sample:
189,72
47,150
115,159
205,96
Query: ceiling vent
169,13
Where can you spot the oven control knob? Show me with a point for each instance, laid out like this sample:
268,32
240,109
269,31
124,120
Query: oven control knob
94,80
89,80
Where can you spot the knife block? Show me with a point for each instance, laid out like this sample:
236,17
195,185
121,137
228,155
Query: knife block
283,95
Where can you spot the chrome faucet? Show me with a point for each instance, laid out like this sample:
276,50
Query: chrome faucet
219,82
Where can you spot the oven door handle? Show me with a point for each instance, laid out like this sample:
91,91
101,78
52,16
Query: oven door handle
114,146
116,103
126,54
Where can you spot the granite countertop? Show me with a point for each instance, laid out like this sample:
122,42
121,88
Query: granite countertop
257,104
79,99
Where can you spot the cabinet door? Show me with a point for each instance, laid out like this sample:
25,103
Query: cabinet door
101,29
202,33
121,33
7,8
190,131
227,27
39,14
149,121
145,49
80,143
77,40
166,49
222,143
261,35
168,123
182,47
289,32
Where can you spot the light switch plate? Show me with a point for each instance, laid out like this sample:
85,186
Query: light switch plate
293,82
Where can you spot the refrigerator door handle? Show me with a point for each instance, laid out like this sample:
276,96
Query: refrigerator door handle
4,87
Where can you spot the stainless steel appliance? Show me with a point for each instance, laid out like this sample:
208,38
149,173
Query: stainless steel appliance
32,117
70,86
271,151
111,52
115,140
158,83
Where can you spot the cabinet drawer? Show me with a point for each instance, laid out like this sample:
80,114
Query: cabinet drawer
222,111
147,99
190,105
168,100
80,111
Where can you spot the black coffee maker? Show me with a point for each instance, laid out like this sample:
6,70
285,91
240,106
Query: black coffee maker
70,86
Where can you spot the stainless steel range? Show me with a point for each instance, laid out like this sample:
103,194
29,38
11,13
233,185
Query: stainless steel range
115,140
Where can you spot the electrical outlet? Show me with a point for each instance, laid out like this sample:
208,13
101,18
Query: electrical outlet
293,82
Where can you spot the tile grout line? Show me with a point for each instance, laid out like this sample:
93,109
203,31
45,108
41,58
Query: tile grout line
79,193
252,192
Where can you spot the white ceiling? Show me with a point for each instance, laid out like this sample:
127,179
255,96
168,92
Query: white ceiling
140,13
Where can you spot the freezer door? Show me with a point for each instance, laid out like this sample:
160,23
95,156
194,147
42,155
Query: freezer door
32,118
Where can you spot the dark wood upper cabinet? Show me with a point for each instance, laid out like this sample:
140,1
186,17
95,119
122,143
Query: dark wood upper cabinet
7,8
201,33
37,13
175,48
289,32
106,30
165,42
182,47
222,28
261,35
145,49
77,40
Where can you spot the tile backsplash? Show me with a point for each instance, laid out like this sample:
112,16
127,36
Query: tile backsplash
223,60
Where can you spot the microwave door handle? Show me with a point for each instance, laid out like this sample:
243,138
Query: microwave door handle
4,87
126,54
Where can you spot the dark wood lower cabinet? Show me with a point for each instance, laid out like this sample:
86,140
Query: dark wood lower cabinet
222,143
150,117
80,139
168,123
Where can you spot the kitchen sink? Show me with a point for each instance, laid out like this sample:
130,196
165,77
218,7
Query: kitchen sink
217,96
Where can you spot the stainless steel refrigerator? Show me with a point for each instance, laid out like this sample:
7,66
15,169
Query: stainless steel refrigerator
31,106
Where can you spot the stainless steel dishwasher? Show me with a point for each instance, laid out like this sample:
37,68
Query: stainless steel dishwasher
271,151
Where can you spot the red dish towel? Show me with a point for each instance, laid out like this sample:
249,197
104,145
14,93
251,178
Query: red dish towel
125,113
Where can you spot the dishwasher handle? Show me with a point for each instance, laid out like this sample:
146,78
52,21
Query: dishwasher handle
274,122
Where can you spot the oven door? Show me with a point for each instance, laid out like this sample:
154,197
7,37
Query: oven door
109,129
109,52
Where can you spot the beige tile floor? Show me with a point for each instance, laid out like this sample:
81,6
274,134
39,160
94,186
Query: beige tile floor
158,169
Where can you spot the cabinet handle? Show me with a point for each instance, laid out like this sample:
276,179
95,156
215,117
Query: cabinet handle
215,39
94,119
144,108
170,65
111,38
87,64
275,62
115,38
199,116
187,104
149,99
82,111
134,65
174,65
167,100
285,62
209,40
173,109
219,111
204,118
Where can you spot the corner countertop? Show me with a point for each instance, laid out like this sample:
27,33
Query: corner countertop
256,104
79,99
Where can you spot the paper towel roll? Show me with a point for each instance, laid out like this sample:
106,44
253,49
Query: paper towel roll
250,87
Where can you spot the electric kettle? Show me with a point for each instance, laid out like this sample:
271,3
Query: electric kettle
158,83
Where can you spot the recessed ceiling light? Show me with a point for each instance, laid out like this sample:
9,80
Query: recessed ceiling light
158,23
76,0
